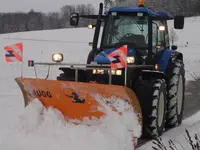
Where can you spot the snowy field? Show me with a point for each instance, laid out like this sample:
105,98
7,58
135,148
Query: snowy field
24,129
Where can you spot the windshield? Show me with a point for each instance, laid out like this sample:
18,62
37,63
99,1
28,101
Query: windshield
126,29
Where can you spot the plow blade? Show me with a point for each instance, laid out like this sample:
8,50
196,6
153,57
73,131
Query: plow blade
76,100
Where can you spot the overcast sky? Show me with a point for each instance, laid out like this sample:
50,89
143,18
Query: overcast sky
41,5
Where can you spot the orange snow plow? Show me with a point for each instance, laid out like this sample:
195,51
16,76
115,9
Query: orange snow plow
76,100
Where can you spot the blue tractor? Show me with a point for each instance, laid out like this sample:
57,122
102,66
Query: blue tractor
155,69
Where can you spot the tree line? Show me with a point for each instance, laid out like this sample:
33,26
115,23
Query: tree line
21,21
31,21
174,7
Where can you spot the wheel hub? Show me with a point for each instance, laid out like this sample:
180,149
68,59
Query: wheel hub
161,107
180,95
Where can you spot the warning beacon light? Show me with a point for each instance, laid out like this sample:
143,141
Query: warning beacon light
57,57
141,3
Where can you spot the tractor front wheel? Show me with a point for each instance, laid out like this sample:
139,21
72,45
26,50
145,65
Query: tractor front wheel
90,57
155,115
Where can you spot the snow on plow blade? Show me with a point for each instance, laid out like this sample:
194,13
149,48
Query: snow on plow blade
76,100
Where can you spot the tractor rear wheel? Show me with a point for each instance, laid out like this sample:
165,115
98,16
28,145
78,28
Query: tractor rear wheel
155,115
175,94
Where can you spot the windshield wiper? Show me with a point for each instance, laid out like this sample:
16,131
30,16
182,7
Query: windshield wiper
139,27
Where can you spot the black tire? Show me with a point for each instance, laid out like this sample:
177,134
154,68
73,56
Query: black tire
62,77
90,57
153,126
174,109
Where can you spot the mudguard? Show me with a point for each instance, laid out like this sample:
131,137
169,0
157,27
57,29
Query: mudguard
164,57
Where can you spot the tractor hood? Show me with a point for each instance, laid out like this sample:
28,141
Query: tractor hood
101,58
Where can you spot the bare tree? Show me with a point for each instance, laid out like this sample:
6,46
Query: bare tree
108,4
21,21
173,36
54,20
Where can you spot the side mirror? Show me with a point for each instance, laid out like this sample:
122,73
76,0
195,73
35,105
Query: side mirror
174,47
179,22
74,19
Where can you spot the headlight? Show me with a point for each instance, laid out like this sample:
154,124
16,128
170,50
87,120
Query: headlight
119,72
90,26
116,72
57,57
113,72
161,28
157,67
98,71
131,60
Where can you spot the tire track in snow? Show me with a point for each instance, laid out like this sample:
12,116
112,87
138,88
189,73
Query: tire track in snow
192,99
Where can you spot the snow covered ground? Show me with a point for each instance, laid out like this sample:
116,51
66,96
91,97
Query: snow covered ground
22,128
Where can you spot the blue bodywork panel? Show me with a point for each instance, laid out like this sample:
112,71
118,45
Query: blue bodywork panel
163,59
101,58
137,9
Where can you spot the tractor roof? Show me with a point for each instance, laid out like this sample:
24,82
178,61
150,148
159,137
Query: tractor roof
137,9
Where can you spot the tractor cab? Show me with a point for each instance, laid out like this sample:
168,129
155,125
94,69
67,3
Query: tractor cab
126,28
143,30
122,28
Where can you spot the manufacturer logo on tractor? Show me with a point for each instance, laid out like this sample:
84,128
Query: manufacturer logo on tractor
75,98
41,93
